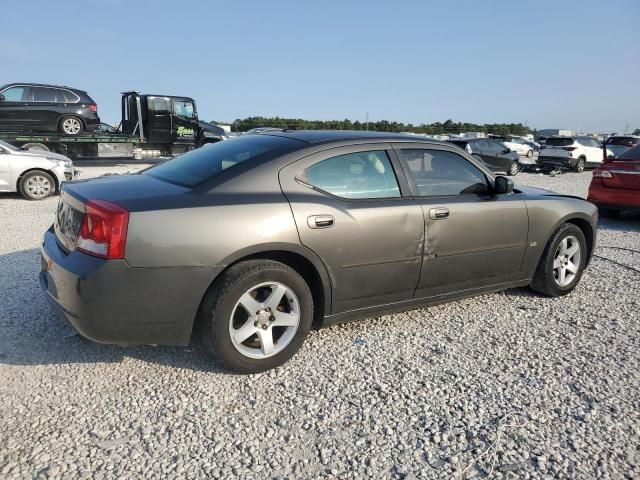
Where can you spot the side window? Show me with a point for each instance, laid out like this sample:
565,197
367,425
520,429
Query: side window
481,146
183,109
438,172
159,106
44,94
15,94
69,97
358,175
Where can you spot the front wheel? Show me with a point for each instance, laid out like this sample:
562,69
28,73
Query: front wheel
37,185
579,166
513,169
529,153
562,262
256,316
71,126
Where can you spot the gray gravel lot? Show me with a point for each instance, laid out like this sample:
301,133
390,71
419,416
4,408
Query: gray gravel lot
504,385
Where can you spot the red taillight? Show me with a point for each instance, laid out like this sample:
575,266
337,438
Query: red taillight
599,173
94,107
103,232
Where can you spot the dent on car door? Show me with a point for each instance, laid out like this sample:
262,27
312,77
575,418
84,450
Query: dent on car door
473,238
350,210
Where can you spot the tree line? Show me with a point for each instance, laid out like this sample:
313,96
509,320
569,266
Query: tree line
244,124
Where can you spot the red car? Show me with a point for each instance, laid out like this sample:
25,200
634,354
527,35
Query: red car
615,185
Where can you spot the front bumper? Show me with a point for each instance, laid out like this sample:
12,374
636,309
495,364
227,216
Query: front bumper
108,301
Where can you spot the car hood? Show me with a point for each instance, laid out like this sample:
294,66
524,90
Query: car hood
541,192
43,154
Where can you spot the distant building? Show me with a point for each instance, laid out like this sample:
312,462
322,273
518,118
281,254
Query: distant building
473,135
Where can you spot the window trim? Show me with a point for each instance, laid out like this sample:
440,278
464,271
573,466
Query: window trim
31,95
301,176
489,175
306,161
26,87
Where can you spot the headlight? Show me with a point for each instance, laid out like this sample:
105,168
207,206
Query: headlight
59,161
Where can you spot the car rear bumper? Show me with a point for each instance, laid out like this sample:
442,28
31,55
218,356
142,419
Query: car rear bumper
616,198
557,162
108,301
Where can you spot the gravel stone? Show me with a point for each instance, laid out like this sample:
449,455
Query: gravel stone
508,384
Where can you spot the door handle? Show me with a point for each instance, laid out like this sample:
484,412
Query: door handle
320,221
438,213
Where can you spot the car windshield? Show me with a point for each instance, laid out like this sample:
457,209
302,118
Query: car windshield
559,142
631,154
8,146
206,162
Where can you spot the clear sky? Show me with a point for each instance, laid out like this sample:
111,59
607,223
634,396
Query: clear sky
552,64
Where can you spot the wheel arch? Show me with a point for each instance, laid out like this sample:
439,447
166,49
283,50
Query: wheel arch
589,234
299,258
38,169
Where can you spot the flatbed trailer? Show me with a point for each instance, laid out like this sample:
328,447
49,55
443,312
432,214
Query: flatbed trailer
151,126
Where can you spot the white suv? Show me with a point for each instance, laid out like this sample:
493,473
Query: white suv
574,153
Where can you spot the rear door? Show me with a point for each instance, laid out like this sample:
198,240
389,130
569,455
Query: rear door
472,238
45,107
350,210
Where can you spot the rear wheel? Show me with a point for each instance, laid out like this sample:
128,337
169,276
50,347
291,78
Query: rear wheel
256,316
71,126
529,153
37,185
579,166
562,262
513,169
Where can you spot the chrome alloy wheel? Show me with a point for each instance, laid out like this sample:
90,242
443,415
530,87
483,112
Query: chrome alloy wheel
71,126
38,186
264,320
566,261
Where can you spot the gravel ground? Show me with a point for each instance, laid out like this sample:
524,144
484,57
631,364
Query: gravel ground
504,385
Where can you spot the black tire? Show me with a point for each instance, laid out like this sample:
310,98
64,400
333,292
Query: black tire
529,153
513,169
579,166
544,281
220,301
30,191
70,125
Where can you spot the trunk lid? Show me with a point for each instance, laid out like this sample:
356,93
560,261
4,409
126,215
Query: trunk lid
624,174
131,192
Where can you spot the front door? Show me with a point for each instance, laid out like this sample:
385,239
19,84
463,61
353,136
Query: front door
351,210
13,108
473,238
159,125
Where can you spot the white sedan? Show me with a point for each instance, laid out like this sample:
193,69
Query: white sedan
35,174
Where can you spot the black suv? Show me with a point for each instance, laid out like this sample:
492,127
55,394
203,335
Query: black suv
31,107
493,153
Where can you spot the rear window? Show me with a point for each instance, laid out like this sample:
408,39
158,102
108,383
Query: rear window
631,154
206,162
623,141
559,142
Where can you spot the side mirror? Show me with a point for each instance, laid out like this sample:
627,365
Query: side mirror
506,150
503,185
2,99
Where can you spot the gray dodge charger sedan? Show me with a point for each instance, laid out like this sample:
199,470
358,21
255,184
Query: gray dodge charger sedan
249,243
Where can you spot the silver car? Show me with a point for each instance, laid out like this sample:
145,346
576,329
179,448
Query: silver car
36,174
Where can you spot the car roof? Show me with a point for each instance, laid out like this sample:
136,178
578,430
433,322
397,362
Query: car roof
327,136
31,84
